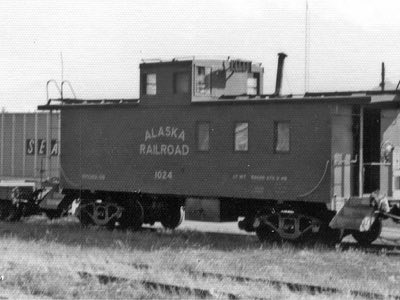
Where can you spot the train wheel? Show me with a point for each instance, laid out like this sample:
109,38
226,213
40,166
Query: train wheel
172,216
326,235
53,214
14,213
132,216
4,210
106,213
266,234
367,237
84,218
10,212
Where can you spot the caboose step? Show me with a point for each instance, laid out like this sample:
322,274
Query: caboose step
356,214
358,201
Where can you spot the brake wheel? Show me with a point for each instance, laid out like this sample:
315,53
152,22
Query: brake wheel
132,215
172,216
367,237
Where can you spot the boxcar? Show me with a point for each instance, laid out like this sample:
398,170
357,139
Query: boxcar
29,146
203,136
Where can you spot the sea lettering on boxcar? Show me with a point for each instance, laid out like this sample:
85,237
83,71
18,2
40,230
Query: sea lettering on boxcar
40,147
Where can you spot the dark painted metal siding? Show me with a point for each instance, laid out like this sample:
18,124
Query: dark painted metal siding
102,146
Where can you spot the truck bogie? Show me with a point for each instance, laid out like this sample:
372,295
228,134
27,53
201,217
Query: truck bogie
128,210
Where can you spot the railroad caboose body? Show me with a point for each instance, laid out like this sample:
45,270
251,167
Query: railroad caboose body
203,135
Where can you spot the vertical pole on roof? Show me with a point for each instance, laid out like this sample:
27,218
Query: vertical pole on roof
62,75
361,155
306,52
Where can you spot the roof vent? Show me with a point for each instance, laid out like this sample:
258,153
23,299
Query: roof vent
279,74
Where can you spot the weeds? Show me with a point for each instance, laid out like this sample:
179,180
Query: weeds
41,258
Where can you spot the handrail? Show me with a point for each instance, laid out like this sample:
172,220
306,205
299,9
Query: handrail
70,87
47,89
377,164
318,184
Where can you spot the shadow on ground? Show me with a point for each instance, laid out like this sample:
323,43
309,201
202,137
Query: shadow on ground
68,231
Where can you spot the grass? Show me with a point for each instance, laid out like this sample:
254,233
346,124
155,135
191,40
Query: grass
41,258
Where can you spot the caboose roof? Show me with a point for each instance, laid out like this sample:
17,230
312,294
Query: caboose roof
374,98
193,59
76,103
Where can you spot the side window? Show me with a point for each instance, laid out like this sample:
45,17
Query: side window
203,81
181,83
203,136
242,136
252,86
150,84
282,137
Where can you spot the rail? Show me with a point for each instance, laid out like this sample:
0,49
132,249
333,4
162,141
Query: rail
169,288
310,289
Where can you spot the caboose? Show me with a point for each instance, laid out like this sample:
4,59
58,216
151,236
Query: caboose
204,137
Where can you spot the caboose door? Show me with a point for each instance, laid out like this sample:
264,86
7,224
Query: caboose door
342,153
342,175
396,173
371,147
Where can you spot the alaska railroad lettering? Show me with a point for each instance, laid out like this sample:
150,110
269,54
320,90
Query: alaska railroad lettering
169,149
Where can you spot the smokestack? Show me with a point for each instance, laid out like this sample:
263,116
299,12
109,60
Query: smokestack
382,85
279,74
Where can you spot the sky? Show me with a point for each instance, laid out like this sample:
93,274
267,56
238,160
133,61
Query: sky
102,43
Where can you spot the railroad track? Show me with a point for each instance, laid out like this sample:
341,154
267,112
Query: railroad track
389,250
208,293
297,287
168,288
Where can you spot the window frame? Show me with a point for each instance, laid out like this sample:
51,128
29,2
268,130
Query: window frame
198,123
256,86
196,93
145,83
234,136
275,144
